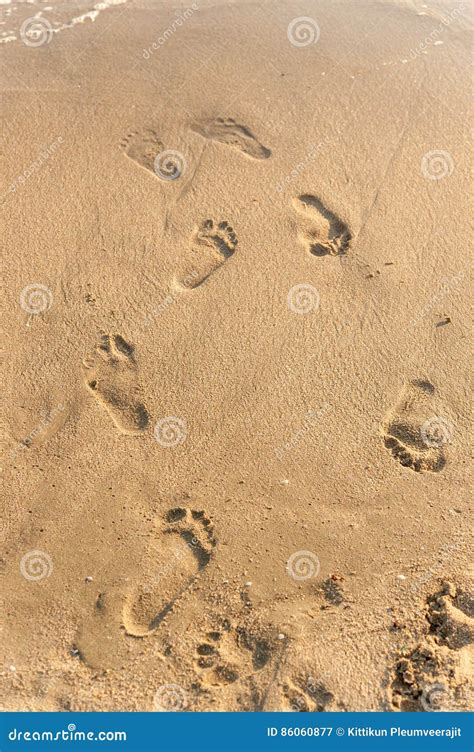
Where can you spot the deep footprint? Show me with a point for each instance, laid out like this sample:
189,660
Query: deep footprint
213,243
404,429
179,553
321,231
227,131
111,376
143,148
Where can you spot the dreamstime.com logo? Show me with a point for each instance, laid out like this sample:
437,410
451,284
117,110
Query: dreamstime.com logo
436,431
71,735
170,431
172,28
436,698
36,298
170,698
36,566
303,565
36,31
169,164
303,31
437,164
303,299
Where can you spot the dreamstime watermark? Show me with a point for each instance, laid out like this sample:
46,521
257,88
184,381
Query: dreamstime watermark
169,164
186,283
303,565
436,431
437,164
303,31
436,698
303,299
432,37
170,698
172,28
309,421
42,157
170,431
36,31
445,288
172,562
36,298
27,441
36,566
309,157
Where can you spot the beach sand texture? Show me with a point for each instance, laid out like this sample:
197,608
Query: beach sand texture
236,436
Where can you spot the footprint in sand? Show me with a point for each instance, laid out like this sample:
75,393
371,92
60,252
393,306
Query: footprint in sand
176,557
305,695
409,430
143,147
227,131
435,675
450,613
321,231
179,550
213,243
111,375
233,653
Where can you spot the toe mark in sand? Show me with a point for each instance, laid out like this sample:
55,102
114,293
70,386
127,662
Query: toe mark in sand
321,231
143,148
213,243
227,131
177,556
111,375
403,427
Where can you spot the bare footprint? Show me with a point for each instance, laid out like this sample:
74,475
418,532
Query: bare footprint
436,674
306,695
450,613
143,148
233,653
227,131
178,554
321,231
213,243
111,376
413,433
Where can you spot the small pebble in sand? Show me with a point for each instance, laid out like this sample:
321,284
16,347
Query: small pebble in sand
284,482
401,577
88,579
281,636
12,668
248,584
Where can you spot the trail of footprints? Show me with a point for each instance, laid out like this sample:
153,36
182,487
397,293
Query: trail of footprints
183,544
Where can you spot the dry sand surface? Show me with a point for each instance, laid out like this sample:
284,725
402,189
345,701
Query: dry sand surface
236,429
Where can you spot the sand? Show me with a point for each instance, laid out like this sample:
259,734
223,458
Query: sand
236,435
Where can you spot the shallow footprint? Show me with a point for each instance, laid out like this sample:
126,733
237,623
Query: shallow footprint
143,148
321,231
179,553
305,695
213,243
111,376
409,430
227,131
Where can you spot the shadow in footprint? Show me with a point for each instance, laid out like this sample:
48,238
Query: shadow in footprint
111,375
319,229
